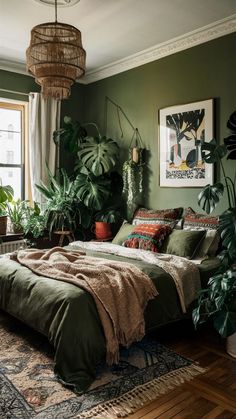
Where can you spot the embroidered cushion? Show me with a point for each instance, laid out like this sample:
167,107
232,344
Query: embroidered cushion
148,236
195,221
166,216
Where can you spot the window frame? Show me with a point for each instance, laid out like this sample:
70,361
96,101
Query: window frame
21,106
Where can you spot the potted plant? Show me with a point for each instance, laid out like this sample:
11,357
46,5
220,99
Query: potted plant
98,185
104,221
132,173
17,212
218,301
6,195
64,210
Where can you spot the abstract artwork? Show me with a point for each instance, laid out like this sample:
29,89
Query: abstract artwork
182,131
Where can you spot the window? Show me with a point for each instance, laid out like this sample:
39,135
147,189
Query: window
13,146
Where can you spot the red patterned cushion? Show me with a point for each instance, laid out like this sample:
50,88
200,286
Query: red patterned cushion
196,221
166,216
148,236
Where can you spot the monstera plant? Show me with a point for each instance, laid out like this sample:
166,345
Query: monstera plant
218,301
95,160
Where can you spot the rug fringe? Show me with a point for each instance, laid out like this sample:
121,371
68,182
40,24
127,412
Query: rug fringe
133,400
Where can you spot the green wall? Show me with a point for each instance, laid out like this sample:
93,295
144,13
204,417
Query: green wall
203,72
16,82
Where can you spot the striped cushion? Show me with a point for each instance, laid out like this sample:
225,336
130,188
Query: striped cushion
166,216
148,237
195,221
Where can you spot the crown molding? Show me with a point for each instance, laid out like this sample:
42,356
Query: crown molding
13,66
199,36
207,33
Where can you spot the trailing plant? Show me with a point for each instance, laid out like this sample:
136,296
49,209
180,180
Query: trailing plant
132,182
218,301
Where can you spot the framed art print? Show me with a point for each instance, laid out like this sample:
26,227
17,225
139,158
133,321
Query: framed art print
183,129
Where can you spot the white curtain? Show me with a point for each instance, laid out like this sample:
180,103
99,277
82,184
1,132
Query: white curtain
44,118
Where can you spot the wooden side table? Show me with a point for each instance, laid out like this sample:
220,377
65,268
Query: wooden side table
64,234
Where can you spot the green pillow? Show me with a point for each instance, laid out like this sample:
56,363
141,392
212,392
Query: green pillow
183,243
123,233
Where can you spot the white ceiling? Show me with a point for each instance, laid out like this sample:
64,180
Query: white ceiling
117,34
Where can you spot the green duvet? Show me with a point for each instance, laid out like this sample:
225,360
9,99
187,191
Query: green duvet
67,315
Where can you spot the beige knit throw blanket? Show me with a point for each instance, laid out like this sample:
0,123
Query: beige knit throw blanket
120,290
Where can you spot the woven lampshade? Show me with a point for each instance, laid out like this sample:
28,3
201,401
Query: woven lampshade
56,58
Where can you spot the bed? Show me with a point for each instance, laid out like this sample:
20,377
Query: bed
68,316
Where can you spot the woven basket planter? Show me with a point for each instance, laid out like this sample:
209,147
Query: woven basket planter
3,225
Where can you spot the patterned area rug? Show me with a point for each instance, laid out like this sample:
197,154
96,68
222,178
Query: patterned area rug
29,388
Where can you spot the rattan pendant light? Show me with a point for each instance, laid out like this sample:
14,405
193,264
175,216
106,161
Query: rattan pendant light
55,57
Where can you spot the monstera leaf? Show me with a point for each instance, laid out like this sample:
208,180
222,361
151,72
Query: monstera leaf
230,141
71,134
92,191
210,196
99,155
212,153
228,231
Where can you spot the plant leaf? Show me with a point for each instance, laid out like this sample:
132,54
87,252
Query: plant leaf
209,197
230,143
98,155
225,322
227,228
92,191
212,153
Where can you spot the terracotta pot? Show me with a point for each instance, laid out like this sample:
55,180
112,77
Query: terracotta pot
103,230
3,225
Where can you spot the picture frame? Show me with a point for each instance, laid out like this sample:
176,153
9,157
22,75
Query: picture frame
182,130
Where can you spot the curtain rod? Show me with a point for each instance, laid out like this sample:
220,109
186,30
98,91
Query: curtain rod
14,92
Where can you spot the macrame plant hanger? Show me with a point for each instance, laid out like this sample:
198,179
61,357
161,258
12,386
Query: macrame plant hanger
136,146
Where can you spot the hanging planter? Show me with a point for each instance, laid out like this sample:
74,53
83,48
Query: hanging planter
133,174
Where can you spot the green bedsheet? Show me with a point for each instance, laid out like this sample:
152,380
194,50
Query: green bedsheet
67,315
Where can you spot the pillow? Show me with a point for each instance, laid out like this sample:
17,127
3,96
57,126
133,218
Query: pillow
209,245
195,221
166,216
123,233
183,242
148,236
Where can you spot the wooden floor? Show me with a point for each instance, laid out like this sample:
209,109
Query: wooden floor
209,395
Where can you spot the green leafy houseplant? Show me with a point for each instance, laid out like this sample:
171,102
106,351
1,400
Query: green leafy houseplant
96,157
218,300
17,212
6,195
64,210
34,225
133,182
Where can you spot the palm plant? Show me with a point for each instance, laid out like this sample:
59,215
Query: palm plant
218,301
